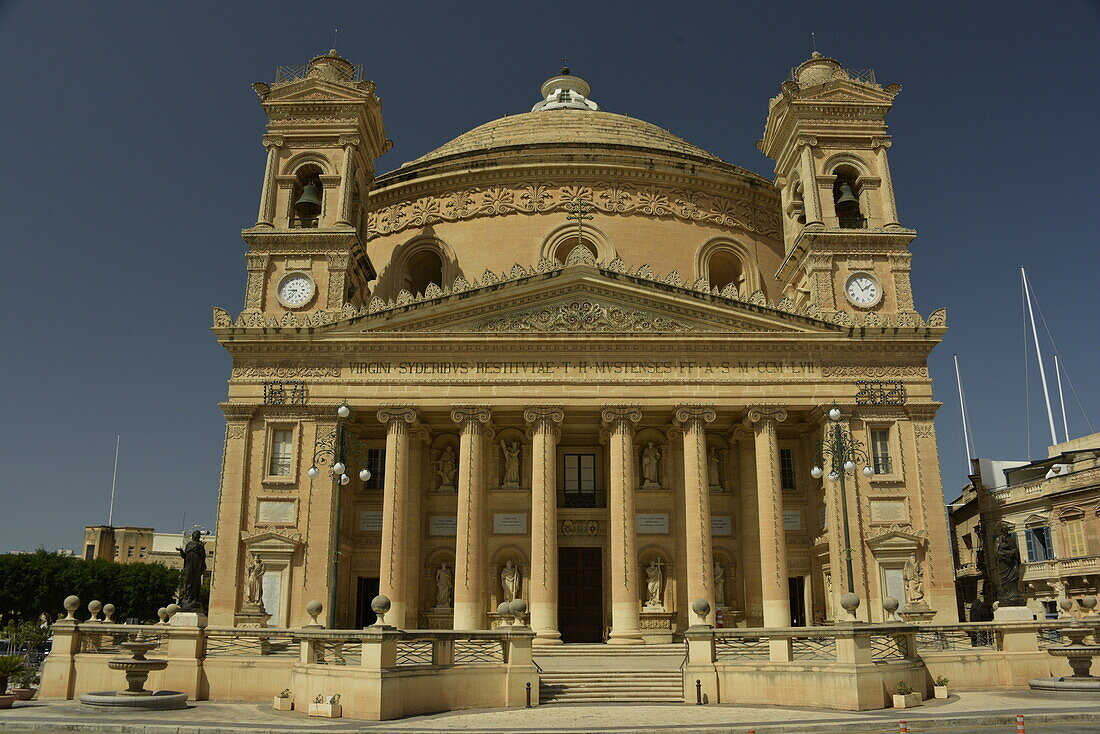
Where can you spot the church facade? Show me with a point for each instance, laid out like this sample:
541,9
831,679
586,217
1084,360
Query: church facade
572,358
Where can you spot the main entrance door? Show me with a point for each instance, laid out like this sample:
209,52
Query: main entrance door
580,594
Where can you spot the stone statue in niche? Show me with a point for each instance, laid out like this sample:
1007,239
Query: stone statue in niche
651,462
714,468
913,575
254,577
1006,552
719,583
511,463
446,468
655,578
509,581
444,586
194,566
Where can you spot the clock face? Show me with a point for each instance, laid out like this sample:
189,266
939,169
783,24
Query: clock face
296,289
863,289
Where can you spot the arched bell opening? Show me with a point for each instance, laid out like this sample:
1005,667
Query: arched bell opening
846,199
307,198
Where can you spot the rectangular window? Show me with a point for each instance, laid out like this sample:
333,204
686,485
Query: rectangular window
130,552
141,552
1039,547
279,463
880,451
579,480
1075,538
89,552
376,463
786,469
116,551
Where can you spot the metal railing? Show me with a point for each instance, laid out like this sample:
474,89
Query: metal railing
813,648
955,637
295,72
885,648
596,499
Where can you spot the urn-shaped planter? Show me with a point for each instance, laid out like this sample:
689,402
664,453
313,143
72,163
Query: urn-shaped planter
939,691
283,704
906,700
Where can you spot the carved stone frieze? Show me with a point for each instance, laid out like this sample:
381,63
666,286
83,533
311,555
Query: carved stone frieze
283,370
546,196
583,316
874,371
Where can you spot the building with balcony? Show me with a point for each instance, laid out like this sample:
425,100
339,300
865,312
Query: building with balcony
1052,506
137,545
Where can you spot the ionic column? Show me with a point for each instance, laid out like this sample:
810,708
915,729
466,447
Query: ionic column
811,197
889,204
470,536
749,523
395,497
346,182
542,591
266,216
773,547
697,531
620,420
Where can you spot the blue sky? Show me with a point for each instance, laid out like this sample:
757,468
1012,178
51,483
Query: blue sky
132,159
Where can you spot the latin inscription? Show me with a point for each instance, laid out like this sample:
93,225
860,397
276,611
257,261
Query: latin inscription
687,369
646,523
509,523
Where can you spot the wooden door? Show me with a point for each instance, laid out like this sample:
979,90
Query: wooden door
580,594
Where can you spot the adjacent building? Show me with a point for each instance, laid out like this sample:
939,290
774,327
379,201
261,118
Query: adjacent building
137,545
1052,506
573,358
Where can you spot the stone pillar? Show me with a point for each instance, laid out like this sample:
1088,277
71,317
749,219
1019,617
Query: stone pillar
266,216
346,179
469,607
811,198
620,420
231,520
697,531
749,526
886,185
542,591
773,547
395,495
256,264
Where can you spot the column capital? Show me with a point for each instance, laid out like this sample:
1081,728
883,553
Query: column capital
764,412
544,414
389,413
617,413
883,142
806,141
273,141
350,140
741,432
465,414
690,413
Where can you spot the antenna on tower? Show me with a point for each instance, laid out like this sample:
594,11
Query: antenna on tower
335,33
114,479
813,40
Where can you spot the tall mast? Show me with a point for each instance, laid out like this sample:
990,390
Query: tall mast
1061,397
1039,356
114,479
962,408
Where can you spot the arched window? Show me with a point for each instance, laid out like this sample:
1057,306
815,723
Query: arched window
846,195
726,263
423,268
724,268
566,246
307,198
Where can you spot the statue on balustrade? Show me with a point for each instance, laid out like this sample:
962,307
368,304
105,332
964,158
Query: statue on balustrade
511,463
194,566
1006,552
444,587
509,581
654,581
446,469
651,461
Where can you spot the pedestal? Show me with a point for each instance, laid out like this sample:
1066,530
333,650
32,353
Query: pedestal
727,617
656,625
188,619
440,618
251,615
919,615
651,485
1011,614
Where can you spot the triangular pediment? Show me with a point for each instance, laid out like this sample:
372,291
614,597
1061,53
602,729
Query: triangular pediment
842,90
312,90
582,299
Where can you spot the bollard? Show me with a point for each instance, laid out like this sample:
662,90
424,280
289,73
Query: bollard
1019,724
902,728
698,692
528,694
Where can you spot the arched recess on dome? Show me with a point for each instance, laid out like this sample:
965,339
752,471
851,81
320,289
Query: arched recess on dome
724,261
415,265
562,240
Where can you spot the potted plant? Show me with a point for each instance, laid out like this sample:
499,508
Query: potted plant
326,706
283,702
940,689
905,697
25,681
9,665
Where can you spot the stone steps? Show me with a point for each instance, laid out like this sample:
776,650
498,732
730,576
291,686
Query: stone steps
606,651
623,686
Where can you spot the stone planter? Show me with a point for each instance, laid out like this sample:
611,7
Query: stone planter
906,701
325,710
283,704
940,691
6,701
23,694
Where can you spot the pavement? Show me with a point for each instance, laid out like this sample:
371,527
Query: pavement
983,711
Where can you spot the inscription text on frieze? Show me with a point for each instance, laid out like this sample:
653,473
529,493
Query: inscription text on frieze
590,368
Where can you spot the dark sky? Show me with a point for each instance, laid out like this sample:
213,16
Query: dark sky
131,160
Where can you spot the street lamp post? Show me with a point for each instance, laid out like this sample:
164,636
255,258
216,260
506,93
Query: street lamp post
341,449
841,454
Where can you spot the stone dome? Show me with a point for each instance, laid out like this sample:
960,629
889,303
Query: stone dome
566,128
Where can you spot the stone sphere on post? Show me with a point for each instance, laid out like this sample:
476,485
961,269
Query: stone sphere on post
1088,603
1065,604
94,607
701,607
504,609
314,609
518,607
72,603
850,602
109,612
380,605
163,614
890,605
172,609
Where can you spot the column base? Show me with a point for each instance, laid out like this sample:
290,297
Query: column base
547,637
625,637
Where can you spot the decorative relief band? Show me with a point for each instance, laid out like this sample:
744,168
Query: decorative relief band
583,316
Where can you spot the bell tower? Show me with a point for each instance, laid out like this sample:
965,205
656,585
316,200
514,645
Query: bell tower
847,254
306,252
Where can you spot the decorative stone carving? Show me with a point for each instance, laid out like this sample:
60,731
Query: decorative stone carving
509,581
719,584
651,458
913,574
254,583
583,316
1006,554
445,468
654,585
444,587
511,465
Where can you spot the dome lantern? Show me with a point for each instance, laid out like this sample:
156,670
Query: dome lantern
565,92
